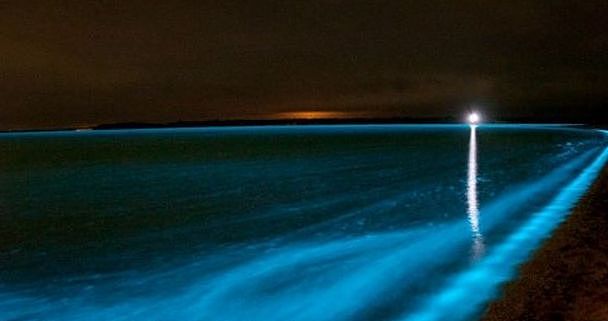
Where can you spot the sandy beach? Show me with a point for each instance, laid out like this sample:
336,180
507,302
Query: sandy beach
567,278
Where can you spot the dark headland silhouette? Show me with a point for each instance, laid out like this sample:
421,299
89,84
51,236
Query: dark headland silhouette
593,122
590,121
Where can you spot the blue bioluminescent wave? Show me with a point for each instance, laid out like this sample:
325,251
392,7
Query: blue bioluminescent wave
475,285
324,223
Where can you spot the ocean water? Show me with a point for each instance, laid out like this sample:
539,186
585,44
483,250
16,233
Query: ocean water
379,222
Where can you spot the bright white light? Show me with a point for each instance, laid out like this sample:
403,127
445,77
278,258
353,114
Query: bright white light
474,118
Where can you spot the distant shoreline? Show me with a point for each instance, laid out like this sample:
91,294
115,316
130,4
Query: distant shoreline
286,122
567,277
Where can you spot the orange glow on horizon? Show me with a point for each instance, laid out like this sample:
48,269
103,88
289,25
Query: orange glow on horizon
313,115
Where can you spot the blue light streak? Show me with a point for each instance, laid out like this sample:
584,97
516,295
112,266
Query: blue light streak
465,292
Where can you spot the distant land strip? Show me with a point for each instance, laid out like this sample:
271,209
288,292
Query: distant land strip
316,121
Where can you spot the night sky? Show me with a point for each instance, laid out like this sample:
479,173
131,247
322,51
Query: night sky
80,63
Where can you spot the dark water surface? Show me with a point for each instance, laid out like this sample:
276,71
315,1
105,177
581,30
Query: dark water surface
279,223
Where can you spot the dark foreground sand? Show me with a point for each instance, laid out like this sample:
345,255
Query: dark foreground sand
567,279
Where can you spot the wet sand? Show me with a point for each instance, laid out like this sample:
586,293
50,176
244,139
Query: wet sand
567,278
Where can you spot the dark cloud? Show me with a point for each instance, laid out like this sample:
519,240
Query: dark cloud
84,62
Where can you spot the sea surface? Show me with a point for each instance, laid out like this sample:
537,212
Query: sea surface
285,223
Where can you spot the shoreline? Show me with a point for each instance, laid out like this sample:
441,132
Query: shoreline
567,277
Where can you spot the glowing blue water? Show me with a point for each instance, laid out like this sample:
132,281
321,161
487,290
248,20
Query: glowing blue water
280,223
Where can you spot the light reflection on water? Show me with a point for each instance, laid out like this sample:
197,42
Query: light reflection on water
472,202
